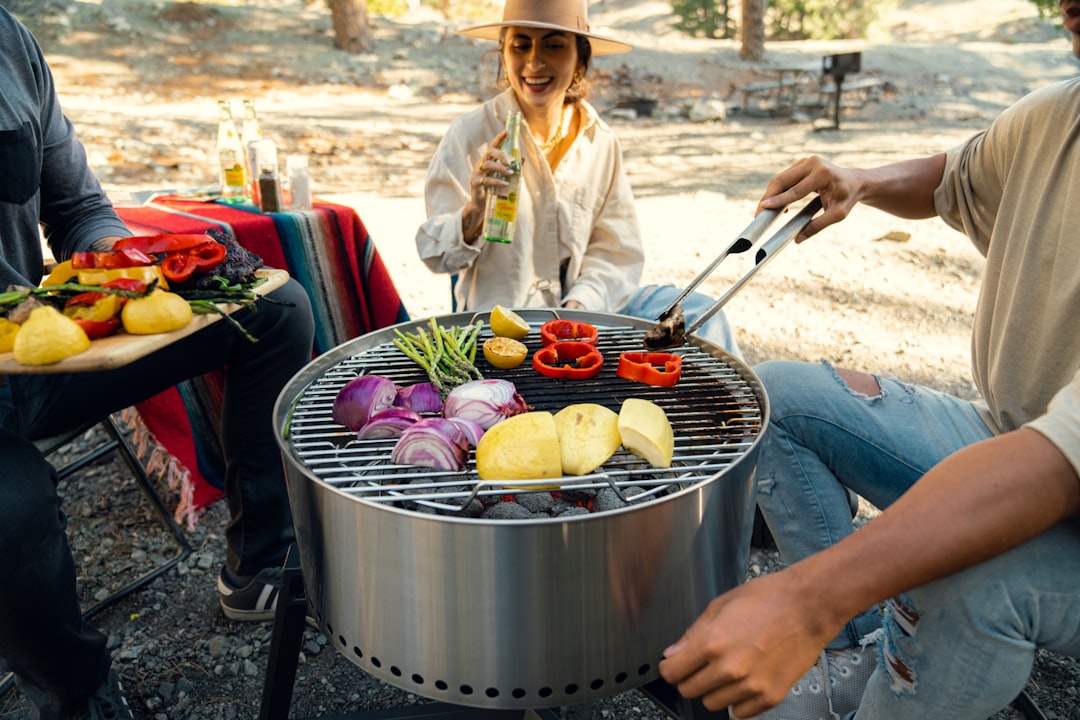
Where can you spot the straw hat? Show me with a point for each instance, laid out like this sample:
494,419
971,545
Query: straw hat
569,15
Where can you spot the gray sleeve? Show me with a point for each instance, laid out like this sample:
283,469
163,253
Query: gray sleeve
74,209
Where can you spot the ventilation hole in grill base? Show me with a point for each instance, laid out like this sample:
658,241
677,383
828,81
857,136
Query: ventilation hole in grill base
518,693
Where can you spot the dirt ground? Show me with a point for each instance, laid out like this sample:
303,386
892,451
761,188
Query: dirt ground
140,80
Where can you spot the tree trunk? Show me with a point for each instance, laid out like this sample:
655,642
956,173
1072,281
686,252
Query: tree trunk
752,31
352,33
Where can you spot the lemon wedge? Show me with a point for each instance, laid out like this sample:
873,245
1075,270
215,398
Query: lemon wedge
504,353
507,323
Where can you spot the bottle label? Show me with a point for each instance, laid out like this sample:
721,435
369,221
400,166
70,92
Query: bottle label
234,176
506,208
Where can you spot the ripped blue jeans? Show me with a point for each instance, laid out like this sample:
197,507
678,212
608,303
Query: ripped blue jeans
961,647
823,436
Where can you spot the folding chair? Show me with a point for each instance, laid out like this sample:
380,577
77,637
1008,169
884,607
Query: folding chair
117,442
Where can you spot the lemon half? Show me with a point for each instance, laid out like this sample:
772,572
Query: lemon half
507,323
504,353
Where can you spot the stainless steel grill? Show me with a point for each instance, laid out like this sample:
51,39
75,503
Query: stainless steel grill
714,413
531,613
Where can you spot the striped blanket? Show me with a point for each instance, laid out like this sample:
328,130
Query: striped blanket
328,250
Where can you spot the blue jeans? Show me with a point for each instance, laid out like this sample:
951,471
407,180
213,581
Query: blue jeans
822,436
651,300
961,647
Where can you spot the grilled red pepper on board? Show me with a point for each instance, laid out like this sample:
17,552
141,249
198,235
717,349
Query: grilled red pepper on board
158,244
128,257
178,267
568,330
181,255
570,360
659,369
207,256
98,313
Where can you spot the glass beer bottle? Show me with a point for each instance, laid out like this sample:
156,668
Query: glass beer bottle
232,161
500,218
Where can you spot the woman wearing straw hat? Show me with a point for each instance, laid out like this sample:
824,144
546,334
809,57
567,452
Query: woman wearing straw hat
577,243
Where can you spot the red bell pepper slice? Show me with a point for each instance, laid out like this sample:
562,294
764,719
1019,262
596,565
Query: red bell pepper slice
658,369
130,284
128,257
95,329
554,331
568,361
208,256
84,298
158,244
178,267
87,299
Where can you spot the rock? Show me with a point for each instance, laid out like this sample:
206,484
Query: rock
708,110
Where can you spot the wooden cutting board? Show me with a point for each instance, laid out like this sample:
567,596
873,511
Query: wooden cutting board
120,349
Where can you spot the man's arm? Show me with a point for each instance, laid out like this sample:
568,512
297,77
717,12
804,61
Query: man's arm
751,644
904,189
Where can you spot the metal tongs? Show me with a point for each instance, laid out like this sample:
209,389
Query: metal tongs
671,331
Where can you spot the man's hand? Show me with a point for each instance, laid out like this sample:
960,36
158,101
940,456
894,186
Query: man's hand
838,188
750,646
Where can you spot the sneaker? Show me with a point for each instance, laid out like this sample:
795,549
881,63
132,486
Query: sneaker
251,599
812,698
107,702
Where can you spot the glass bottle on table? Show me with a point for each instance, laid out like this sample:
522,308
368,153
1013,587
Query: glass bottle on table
250,132
269,183
232,161
500,217
296,168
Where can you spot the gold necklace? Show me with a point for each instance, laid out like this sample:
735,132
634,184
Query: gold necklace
550,144
553,142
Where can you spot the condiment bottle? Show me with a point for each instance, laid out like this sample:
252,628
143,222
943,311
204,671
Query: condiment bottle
232,173
500,217
296,168
269,185
251,133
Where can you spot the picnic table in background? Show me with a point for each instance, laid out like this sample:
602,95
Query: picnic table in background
327,250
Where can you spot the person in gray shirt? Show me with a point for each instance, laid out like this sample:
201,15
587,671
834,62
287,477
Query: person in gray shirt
48,190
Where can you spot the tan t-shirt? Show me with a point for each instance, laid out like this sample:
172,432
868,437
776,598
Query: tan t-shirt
1014,189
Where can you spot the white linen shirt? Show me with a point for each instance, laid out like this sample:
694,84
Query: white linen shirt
583,215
